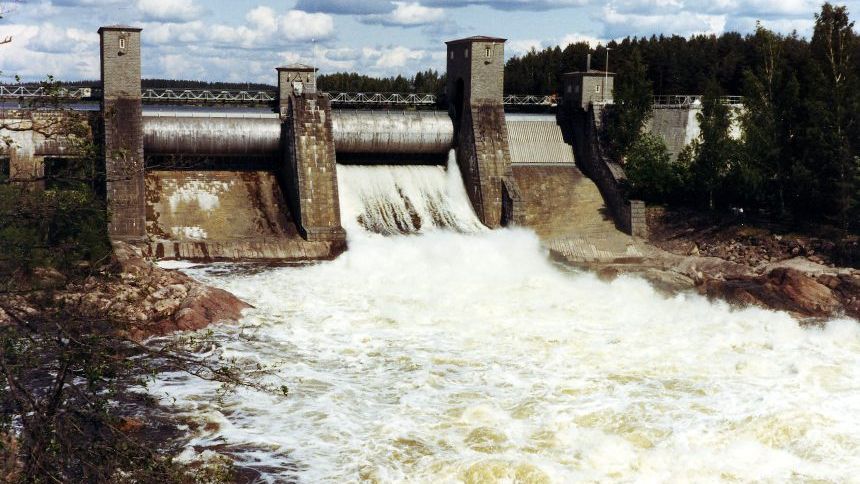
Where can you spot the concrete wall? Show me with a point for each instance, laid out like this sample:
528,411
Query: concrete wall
583,128
27,137
679,126
214,215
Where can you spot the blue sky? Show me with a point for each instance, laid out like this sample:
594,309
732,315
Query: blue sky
243,40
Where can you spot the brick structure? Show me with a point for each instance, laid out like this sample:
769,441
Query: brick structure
475,88
310,168
123,132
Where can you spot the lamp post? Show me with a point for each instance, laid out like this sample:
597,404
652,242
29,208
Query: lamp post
606,74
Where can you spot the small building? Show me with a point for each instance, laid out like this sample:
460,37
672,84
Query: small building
296,79
584,88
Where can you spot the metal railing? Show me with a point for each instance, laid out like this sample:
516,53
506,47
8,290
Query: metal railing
205,95
529,100
37,92
265,97
382,98
688,100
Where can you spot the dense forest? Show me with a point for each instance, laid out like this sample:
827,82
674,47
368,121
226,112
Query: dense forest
798,158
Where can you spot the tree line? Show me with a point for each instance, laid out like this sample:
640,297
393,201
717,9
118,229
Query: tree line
798,157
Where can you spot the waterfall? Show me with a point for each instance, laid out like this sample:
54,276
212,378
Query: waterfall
404,199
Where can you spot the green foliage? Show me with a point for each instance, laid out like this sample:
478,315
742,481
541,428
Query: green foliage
429,82
633,105
716,154
650,172
69,399
53,228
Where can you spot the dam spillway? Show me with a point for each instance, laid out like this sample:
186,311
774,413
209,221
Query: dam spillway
222,133
408,199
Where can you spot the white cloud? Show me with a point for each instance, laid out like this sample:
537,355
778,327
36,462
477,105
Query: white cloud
169,10
51,39
413,13
576,38
263,18
407,14
300,25
619,23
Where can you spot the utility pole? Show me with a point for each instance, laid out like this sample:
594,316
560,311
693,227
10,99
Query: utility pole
314,55
606,74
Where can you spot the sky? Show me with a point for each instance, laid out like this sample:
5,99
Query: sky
244,40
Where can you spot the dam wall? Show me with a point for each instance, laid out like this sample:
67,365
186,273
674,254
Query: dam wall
678,125
232,184
28,138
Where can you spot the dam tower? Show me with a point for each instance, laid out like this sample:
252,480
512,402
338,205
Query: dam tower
476,70
123,131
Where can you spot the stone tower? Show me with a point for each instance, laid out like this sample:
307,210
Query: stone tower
479,63
123,132
475,89
295,80
309,168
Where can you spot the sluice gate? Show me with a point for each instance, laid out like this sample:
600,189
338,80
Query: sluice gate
222,133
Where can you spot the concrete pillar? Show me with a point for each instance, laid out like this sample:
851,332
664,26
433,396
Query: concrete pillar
476,70
123,132
309,168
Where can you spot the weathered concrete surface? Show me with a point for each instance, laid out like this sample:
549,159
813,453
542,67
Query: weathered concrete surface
567,211
679,126
582,128
310,168
28,137
214,215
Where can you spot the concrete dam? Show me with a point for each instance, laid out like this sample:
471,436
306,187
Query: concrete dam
208,183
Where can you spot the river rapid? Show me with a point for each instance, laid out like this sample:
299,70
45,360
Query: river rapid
456,354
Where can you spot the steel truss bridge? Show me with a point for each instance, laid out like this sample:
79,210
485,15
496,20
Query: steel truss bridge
190,96
690,100
24,92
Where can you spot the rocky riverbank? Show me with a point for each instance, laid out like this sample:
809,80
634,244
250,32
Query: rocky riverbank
144,299
746,264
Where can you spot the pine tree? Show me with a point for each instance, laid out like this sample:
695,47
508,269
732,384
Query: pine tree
834,45
633,104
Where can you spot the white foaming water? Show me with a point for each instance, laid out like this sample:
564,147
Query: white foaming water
404,199
449,357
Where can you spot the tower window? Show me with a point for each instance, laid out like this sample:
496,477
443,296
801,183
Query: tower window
466,52
596,88
122,43
489,51
452,55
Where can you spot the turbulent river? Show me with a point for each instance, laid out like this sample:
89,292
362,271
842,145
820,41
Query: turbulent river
457,354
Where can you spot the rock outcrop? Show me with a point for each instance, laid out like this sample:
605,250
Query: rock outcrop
141,298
